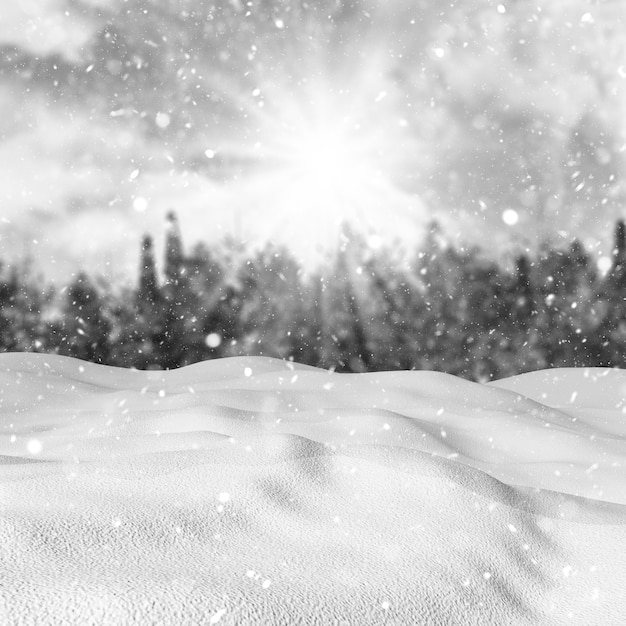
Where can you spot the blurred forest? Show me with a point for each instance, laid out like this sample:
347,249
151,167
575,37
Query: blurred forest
448,309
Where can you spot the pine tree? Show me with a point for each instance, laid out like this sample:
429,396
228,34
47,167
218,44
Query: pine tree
150,312
9,290
85,326
440,269
522,299
148,291
222,324
22,306
343,309
323,339
569,307
617,274
612,303
268,284
181,324
583,312
174,257
138,317
203,278
391,329
307,323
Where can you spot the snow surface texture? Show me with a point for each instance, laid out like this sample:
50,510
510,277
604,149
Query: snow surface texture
254,491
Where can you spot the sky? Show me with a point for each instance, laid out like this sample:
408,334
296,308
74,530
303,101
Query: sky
279,121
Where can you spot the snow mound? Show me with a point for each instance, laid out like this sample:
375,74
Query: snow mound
257,491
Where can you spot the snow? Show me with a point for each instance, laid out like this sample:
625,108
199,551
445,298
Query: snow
256,491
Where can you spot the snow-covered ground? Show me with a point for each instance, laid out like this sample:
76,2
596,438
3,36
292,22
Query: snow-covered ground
253,491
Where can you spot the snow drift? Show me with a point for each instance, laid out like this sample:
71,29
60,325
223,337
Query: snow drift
254,491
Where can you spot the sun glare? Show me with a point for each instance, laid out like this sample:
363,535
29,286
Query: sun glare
327,165
325,174
324,157
327,148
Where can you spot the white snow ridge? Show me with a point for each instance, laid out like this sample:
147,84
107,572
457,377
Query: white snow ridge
254,491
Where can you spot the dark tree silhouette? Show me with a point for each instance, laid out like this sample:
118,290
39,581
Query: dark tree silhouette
450,309
85,326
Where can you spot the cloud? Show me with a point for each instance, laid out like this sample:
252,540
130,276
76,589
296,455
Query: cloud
45,27
86,184
62,186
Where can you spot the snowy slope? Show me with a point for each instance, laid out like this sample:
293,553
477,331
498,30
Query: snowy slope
253,491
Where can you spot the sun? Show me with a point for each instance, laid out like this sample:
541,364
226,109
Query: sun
327,162
325,158
323,176
321,158
321,148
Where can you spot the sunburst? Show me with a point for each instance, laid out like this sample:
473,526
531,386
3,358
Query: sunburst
325,147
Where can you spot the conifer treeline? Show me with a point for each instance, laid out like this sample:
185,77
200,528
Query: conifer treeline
448,309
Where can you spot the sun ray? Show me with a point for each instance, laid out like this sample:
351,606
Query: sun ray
317,133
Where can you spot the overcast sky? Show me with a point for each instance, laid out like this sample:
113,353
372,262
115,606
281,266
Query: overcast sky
279,124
